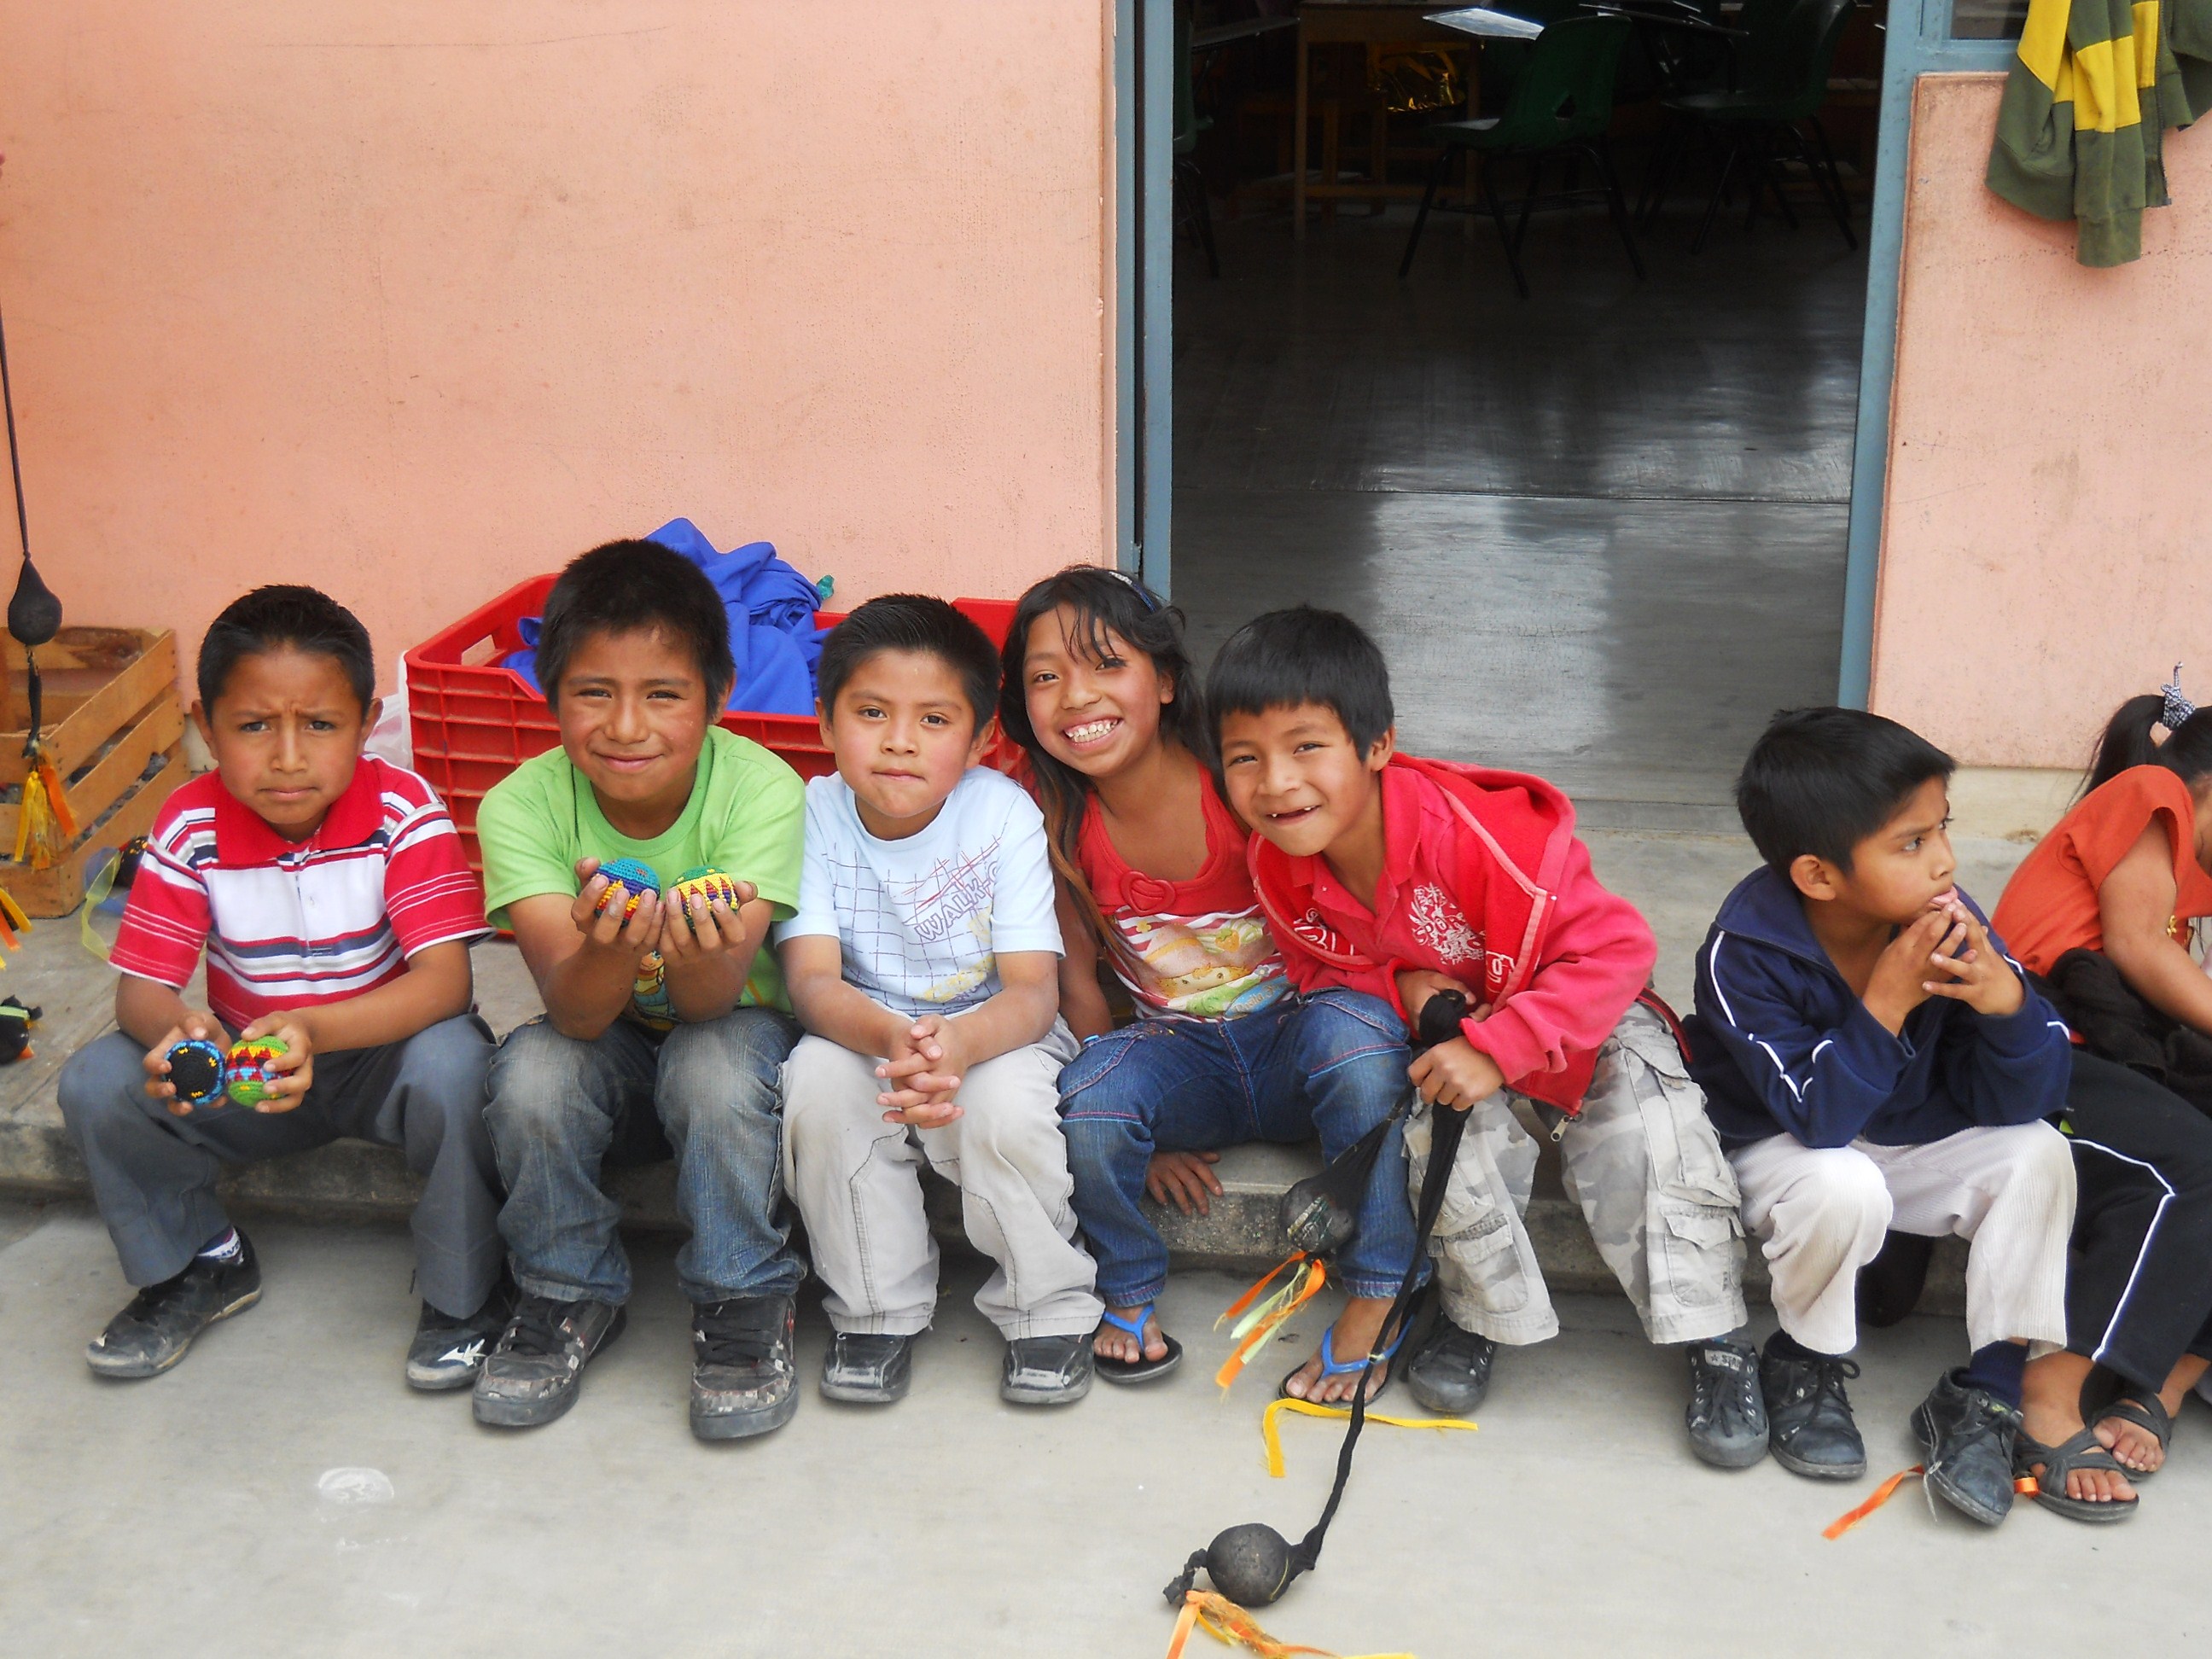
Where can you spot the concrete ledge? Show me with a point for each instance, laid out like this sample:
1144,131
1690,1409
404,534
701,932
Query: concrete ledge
357,1180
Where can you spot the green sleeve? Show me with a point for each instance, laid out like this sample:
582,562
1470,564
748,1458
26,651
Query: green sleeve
526,841
762,831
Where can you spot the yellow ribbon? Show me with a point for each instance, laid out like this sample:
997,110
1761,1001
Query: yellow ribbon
1231,1626
1273,1435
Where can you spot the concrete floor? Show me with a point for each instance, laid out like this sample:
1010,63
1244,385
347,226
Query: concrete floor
1600,535
216,1511
284,1492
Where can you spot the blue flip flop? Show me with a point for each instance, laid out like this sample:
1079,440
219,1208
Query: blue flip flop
1332,1366
1140,1370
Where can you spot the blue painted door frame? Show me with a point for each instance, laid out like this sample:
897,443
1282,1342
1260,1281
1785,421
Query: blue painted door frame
1919,42
1144,246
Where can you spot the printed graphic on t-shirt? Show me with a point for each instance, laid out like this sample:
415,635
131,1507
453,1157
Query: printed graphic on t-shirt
946,911
1441,926
1219,966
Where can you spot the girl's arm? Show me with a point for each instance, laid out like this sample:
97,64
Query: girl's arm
2134,905
1082,998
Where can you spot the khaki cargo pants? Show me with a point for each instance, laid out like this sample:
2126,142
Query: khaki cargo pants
1644,1164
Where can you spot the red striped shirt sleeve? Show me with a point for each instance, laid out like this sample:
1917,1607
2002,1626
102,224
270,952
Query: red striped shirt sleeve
430,893
166,921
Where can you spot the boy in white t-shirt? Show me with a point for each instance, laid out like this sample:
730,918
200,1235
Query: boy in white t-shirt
924,964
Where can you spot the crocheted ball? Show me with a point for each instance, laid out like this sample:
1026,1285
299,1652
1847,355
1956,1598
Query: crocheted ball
250,1076
705,883
195,1069
1250,1565
629,878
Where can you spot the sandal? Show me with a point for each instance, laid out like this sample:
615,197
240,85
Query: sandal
2080,1452
1332,1366
1140,1370
2148,1415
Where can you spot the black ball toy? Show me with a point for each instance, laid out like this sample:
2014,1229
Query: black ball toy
1252,1565
196,1070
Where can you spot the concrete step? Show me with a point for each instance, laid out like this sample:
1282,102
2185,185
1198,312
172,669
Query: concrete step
358,1181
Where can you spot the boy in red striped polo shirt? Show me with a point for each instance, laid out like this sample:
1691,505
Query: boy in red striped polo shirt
336,906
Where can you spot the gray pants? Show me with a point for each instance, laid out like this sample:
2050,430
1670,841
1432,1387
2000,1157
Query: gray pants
153,1175
1644,1164
858,1183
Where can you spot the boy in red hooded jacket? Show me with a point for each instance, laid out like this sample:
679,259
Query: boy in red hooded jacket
1400,877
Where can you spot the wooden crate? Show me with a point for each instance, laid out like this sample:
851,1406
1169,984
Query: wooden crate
109,711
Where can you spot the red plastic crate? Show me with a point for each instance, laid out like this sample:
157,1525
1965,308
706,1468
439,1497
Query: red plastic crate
473,721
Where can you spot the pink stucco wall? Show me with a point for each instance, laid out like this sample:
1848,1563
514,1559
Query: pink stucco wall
2047,547
411,298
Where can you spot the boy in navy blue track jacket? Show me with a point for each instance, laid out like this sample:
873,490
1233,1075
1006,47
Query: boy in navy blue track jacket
1873,1060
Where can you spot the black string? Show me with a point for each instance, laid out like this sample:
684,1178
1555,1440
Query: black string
1446,1127
14,461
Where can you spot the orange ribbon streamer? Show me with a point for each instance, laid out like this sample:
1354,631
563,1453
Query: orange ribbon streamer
1843,1523
1231,1626
1274,1313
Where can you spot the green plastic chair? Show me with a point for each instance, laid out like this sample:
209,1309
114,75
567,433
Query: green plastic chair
1561,104
1783,82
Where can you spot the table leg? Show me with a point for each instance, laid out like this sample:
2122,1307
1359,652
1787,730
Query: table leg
1299,146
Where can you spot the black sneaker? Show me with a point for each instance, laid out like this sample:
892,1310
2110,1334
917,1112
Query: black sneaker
742,1374
532,1376
1968,1434
152,1334
866,1368
1727,1413
447,1352
1047,1370
1809,1415
1450,1373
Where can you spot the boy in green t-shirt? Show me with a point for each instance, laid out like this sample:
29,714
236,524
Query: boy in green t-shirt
666,1023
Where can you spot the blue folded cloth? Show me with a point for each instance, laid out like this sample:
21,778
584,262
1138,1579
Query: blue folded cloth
771,608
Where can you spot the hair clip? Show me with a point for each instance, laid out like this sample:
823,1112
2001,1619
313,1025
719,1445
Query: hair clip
2178,707
1151,602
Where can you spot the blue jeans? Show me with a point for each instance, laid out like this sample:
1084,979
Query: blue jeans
1332,1064
710,1091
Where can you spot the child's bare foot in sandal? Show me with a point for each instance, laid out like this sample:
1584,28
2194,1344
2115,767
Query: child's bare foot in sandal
2141,1445
1330,1378
2051,1411
1130,1346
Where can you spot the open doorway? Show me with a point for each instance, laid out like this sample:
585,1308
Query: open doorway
1600,532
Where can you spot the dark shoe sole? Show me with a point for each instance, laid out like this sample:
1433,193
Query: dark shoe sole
494,1412
854,1394
444,1382
743,1425
1731,1457
1812,1471
1062,1396
133,1373
1923,1431
1443,1406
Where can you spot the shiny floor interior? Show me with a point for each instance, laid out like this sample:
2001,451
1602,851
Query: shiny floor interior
1600,534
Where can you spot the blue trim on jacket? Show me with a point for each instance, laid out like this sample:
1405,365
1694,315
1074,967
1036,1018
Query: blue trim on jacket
1781,1046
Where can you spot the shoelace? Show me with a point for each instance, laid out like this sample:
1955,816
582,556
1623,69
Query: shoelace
1827,1383
1738,1382
535,1330
1986,1420
724,1342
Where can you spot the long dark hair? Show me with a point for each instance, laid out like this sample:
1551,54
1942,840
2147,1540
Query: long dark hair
1103,601
2128,742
